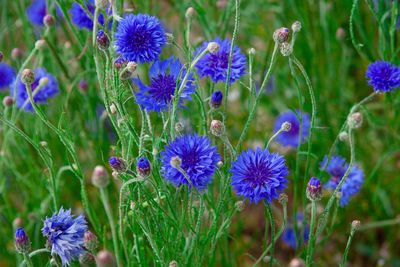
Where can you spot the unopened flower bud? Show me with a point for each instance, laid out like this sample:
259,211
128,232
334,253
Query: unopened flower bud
221,4
17,223
217,128
1,56
143,167
105,259
8,101
355,120
343,136
83,85
120,63
296,26
239,205
216,99
43,82
355,224
43,144
40,44
170,38
297,262
176,162
102,4
48,20
118,164
86,259
286,49
340,34
173,264
190,13
100,177
314,189
22,242
132,205
251,51
90,241
281,35
283,199
27,76
128,71
179,127
220,164
286,126
102,40
16,53
213,47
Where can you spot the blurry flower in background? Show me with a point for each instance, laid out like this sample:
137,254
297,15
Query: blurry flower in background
259,175
198,160
81,19
289,237
140,38
158,94
291,137
337,167
65,235
36,12
383,76
45,82
7,75
215,65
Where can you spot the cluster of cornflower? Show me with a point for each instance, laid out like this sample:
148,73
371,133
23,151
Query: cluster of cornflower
189,159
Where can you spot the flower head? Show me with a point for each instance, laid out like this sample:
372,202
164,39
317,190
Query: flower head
314,189
143,167
140,38
215,65
337,167
7,75
46,89
291,137
118,164
81,19
383,76
164,76
22,242
65,234
289,236
198,160
216,99
259,175
36,12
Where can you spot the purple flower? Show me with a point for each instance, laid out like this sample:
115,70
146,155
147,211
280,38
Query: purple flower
198,160
81,19
7,75
259,175
164,77
65,235
117,164
215,65
216,99
314,189
143,167
289,236
22,242
291,138
47,90
140,38
337,167
383,76
36,12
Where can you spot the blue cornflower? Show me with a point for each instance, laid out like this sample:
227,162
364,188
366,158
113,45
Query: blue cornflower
7,75
158,94
140,38
291,138
259,175
215,65
65,235
143,167
81,19
48,90
36,12
288,235
198,159
336,167
383,76
22,242
216,99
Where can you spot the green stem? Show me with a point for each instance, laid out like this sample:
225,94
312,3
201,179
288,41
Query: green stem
311,244
379,224
266,145
106,204
33,253
346,251
27,260
271,219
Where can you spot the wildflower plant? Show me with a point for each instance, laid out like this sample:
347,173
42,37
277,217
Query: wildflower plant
169,146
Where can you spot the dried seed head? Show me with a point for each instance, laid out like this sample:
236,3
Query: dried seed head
100,177
296,26
217,128
213,47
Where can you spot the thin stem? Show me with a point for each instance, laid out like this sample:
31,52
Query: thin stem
271,219
254,107
380,224
311,244
106,204
346,251
27,260
34,253
266,145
